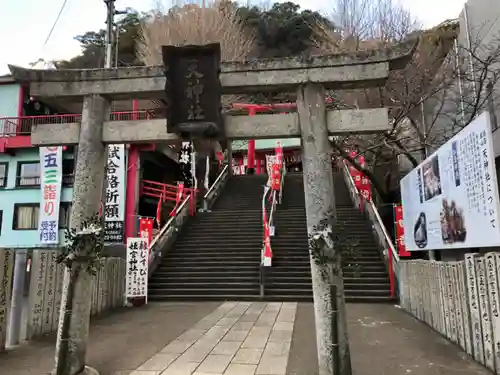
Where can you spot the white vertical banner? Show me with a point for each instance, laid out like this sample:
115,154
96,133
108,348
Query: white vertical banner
50,187
136,279
114,209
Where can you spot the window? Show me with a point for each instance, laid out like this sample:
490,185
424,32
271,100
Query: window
26,216
1,220
64,211
68,171
28,174
3,174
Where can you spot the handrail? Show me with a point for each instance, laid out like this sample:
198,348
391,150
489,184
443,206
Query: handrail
219,177
212,189
283,173
277,201
162,238
376,214
168,223
273,208
393,257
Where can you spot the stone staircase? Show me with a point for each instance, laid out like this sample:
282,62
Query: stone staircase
217,254
365,275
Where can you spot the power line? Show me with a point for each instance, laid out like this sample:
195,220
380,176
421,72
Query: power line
55,22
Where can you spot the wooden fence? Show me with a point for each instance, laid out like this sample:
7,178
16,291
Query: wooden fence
45,291
459,300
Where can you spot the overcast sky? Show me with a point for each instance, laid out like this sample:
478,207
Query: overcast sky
25,24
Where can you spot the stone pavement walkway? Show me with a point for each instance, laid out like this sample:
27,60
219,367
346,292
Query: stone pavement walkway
236,339
249,338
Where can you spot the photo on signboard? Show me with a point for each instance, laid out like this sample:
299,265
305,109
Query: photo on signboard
452,223
432,180
420,231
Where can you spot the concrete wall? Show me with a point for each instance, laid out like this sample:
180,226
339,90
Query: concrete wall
9,99
10,195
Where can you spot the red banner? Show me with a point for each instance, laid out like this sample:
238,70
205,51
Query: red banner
178,198
267,241
277,165
146,229
400,231
220,157
365,187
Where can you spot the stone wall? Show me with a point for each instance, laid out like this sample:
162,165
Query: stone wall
41,312
459,300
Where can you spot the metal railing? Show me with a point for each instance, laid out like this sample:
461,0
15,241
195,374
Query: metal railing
215,189
13,126
270,223
385,242
168,233
275,201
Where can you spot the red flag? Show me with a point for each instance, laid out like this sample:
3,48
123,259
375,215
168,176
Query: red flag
146,229
220,157
267,239
400,231
158,211
178,197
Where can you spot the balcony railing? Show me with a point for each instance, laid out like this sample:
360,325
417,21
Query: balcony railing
15,126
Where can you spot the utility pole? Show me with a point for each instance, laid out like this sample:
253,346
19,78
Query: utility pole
109,38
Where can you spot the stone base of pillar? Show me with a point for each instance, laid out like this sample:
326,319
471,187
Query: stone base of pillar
250,171
90,371
87,371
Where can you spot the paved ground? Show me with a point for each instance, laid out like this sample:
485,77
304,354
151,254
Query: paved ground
384,340
243,338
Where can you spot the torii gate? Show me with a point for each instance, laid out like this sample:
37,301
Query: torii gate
253,109
312,123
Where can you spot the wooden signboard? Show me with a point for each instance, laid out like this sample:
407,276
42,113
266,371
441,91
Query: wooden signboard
193,90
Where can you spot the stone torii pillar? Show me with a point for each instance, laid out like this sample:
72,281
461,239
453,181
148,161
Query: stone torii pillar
313,123
73,329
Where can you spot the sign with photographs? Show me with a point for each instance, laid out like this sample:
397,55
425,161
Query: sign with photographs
451,200
193,89
114,210
51,183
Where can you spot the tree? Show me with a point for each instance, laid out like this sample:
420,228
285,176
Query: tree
282,30
93,47
370,25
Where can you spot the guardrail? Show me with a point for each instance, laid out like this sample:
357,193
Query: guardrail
168,233
384,239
